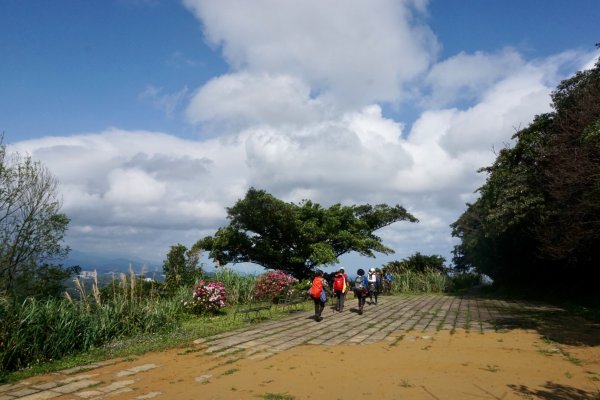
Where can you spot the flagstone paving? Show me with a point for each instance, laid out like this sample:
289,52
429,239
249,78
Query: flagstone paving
391,319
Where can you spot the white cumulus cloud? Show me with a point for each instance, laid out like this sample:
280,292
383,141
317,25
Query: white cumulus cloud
305,113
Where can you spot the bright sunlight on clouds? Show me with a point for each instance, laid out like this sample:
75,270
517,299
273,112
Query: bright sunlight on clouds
336,101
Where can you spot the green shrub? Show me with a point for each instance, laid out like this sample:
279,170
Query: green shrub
429,281
238,287
464,281
42,330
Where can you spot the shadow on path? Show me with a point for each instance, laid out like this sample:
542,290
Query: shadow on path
552,322
555,391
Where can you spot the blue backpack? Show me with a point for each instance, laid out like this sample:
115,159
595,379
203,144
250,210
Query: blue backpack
359,284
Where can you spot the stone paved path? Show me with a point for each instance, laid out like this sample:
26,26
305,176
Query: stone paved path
392,318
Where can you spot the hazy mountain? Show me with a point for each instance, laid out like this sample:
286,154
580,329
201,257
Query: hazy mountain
103,264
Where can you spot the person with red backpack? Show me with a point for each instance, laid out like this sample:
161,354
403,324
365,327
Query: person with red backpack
340,287
318,292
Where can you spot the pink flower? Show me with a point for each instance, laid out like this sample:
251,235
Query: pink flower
207,297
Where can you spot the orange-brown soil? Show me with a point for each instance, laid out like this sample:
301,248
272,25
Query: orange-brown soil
517,364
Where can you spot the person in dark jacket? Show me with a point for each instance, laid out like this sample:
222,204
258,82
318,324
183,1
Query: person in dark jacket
361,290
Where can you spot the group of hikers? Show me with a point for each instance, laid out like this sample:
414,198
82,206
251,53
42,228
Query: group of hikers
365,285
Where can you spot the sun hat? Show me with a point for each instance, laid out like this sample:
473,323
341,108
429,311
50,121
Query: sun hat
372,270
341,268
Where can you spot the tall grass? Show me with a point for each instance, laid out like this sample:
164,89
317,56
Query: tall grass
38,331
430,281
239,288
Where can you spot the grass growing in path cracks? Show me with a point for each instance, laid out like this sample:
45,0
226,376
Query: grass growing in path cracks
276,396
231,371
558,349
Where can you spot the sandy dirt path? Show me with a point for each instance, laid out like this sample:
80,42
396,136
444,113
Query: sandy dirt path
558,359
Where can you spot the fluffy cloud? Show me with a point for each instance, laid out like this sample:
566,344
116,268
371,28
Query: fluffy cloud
244,99
301,116
467,76
159,188
357,52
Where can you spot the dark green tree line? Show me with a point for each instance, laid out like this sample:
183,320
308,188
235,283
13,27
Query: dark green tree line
416,263
537,219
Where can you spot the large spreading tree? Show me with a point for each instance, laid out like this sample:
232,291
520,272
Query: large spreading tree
296,238
537,220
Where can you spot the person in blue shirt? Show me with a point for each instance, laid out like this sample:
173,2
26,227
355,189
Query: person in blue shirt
387,283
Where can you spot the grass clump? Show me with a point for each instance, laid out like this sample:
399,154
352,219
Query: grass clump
428,281
276,396
119,320
38,331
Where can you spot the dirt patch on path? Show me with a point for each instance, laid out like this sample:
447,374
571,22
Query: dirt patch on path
517,364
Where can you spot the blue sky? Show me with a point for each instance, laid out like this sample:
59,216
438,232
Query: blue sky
156,115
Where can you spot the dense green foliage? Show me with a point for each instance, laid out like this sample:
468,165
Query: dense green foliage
32,228
537,220
416,263
295,238
37,331
428,281
239,288
181,267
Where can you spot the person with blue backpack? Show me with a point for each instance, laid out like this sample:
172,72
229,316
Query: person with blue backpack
361,285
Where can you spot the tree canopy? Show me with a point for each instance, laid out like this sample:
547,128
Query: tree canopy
296,238
181,267
32,227
416,263
537,219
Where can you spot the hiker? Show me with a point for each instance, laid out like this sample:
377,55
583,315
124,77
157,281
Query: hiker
361,290
374,285
378,281
387,282
340,287
318,292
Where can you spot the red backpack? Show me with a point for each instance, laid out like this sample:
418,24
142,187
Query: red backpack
316,288
338,283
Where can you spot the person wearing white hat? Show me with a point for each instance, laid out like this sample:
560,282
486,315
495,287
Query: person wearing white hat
373,286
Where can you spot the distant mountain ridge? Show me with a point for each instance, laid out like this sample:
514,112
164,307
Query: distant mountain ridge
104,264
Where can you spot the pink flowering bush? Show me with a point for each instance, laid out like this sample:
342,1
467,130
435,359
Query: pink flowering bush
206,297
273,285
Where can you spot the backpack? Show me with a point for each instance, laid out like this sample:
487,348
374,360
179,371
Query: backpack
338,283
359,283
316,288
